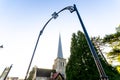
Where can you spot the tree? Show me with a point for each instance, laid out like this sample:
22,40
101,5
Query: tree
81,65
118,29
118,68
113,40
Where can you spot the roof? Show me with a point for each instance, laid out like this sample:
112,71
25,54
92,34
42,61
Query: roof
44,72
55,75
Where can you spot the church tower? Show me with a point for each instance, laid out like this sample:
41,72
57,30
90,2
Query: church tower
60,62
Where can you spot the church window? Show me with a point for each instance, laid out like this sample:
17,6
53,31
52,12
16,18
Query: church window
63,63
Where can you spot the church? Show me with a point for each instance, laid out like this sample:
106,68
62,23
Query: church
58,70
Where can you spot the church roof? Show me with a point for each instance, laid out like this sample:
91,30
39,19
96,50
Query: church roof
60,54
56,75
44,72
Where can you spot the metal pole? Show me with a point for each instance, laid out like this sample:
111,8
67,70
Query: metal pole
8,72
95,56
54,15
35,48
98,48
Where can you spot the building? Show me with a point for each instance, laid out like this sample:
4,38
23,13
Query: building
47,74
12,78
60,63
58,71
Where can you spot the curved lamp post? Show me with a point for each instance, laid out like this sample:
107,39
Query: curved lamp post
94,54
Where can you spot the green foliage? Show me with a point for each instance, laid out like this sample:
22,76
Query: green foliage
114,41
81,61
118,58
111,38
114,52
118,68
118,29
81,65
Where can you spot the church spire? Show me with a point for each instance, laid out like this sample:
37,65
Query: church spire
60,54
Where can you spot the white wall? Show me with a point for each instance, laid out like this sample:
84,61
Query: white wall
42,78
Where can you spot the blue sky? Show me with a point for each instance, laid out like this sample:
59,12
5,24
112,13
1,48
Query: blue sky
21,21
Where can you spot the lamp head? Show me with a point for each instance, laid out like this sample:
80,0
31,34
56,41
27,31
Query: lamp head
71,8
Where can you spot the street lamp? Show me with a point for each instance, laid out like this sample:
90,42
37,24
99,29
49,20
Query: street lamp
103,75
54,16
101,71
